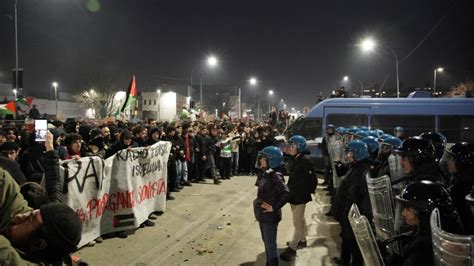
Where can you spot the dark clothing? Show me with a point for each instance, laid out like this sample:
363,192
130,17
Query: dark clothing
54,182
14,169
120,146
418,250
272,190
62,152
429,172
34,113
302,180
31,163
458,192
269,237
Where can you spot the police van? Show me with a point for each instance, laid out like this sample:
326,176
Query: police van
453,117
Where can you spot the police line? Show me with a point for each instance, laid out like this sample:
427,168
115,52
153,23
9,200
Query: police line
118,193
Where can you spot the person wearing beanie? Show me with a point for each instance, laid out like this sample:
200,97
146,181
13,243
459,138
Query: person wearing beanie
9,152
44,235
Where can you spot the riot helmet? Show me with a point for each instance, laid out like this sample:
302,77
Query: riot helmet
341,130
372,145
438,140
330,129
398,132
417,152
358,149
388,146
361,134
418,200
364,128
458,159
299,141
273,157
373,133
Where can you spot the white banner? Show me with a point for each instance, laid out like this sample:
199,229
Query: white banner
119,193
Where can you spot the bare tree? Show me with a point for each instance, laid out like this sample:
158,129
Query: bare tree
101,96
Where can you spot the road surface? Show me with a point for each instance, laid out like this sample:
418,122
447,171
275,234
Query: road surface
214,225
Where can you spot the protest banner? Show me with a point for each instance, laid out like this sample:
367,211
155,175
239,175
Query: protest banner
118,193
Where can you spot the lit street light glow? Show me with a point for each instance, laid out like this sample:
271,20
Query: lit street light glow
253,81
212,61
367,45
346,78
270,92
440,69
55,84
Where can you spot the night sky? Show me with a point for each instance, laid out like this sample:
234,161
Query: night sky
296,48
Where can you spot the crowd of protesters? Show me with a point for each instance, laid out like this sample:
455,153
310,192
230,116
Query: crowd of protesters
216,150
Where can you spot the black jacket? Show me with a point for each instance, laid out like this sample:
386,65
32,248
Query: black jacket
54,182
201,147
302,180
272,190
418,250
352,189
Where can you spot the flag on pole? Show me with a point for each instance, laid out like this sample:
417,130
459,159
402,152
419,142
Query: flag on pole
23,103
131,95
7,108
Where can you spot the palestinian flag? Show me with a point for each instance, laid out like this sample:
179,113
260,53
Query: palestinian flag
23,103
7,108
123,220
131,95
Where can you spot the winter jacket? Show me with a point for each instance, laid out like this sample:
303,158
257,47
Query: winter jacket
302,180
31,163
272,190
54,182
419,250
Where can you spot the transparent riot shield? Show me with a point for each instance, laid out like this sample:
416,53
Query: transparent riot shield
336,153
365,237
396,172
450,249
381,200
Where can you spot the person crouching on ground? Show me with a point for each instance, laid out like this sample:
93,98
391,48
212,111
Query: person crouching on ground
272,195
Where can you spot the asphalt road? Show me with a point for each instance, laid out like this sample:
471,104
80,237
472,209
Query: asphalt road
211,224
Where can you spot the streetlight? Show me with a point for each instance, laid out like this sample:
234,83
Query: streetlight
55,85
346,78
15,91
270,92
253,81
439,69
369,45
159,101
211,62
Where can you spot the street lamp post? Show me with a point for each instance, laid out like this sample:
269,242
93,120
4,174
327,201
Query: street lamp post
270,92
55,85
15,92
159,102
368,45
253,82
439,69
212,62
16,47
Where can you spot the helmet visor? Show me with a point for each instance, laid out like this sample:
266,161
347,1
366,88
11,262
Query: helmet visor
448,163
262,161
404,215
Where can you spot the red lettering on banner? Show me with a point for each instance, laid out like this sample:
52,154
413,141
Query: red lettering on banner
151,190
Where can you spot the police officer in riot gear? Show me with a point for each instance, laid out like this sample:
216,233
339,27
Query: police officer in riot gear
418,160
386,149
399,133
415,204
459,162
352,189
438,140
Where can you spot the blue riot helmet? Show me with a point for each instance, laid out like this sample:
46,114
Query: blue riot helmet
372,144
361,134
341,130
384,136
380,132
299,142
398,132
331,126
358,149
330,129
388,146
364,128
273,156
374,133
352,130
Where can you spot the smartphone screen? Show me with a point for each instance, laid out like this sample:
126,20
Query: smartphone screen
41,128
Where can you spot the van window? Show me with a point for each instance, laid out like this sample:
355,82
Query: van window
310,128
413,125
346,120
457,128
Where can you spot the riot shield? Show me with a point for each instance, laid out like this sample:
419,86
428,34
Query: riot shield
381,200
336,153
365,237
450,249
396,172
